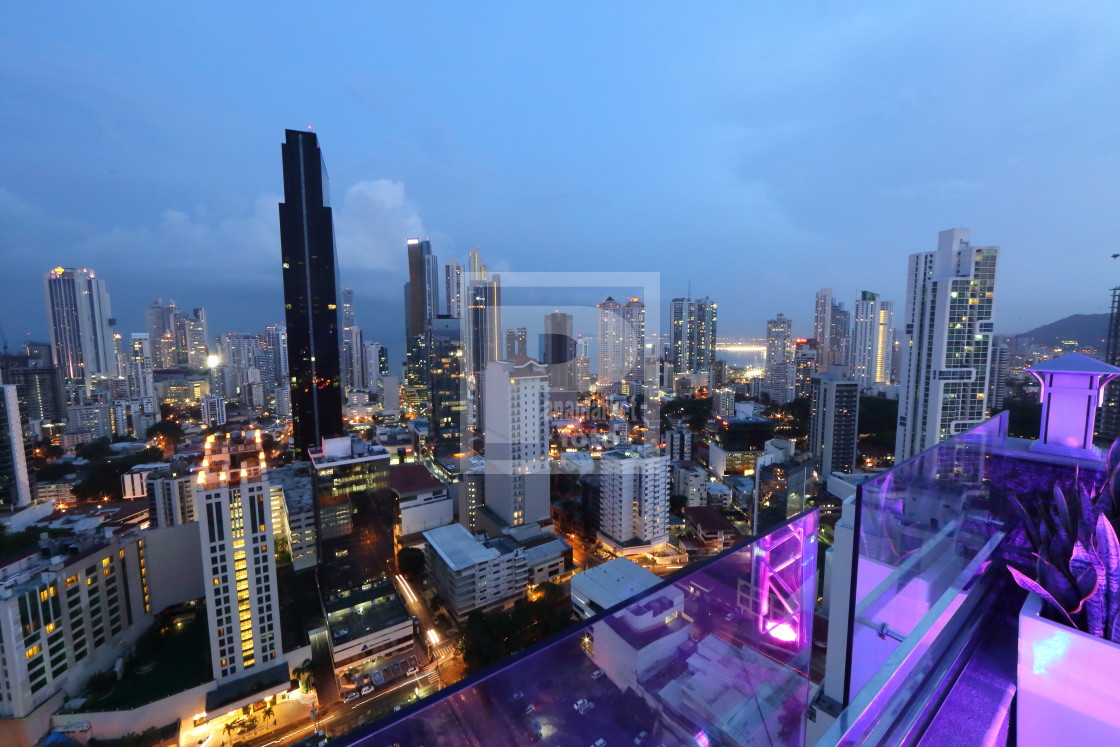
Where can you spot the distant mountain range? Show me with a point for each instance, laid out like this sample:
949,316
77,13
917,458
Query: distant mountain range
1087,329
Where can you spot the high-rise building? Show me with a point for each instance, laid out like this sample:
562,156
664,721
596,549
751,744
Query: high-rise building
421,306
78,312
634,339
195,339
872,340
834,425
140,381
822,326
240,354
831,328
212,410
781,375
997,381
170,498
723,403
516,436
558,351
162,322
692,335
276,343
484,316
840,335
15,488
448,401
353,514
75,605
805,365
37,382
454,278
634,498
582,365
622,342
678,443
375,364
947,347
517,342
611,361
233,507
351,344
310,293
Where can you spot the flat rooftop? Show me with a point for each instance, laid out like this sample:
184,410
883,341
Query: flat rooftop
335,452
295,479
458,547
408,479
367,611
614,581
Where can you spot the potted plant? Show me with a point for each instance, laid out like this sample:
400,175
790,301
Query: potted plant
1069,627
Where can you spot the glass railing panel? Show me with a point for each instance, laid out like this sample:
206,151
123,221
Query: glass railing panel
928,531
718,656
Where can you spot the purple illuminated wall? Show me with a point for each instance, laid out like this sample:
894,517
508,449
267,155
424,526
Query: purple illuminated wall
719,655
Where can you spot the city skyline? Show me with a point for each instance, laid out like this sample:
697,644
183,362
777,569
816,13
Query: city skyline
127,201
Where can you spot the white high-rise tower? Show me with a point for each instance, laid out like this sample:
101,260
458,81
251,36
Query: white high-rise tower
233,508
872,340
611,356
78,311
781,372
634,503
516,432
947,348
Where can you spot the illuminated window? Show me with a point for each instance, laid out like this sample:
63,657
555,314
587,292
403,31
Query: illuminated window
34,651
104,562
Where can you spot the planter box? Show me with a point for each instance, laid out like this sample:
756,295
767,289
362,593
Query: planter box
1069,683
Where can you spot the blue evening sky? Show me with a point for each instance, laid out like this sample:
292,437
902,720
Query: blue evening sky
758,150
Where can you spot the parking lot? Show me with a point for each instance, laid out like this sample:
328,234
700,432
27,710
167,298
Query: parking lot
377,674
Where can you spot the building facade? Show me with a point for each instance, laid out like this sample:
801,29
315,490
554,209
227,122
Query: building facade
834,424
15,487
634,500
872,340
310,270
947,347
781,373
516,435
692,335
78,311
471,573
233,506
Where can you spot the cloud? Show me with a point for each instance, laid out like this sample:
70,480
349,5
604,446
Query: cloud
226,260
375,220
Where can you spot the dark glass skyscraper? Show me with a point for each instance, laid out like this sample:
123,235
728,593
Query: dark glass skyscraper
421,302
310,293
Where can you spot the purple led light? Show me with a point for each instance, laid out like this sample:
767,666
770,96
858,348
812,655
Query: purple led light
702,740
783,632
